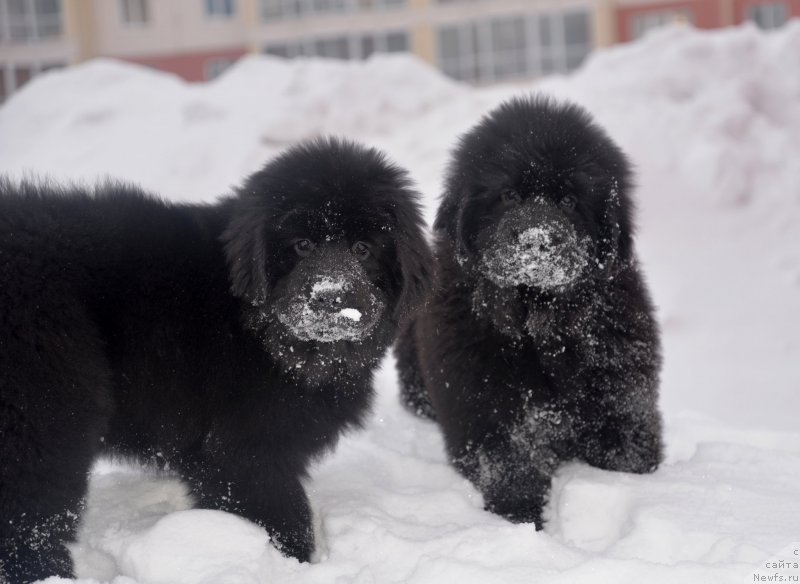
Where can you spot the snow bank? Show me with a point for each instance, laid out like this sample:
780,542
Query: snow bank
192,142
712,122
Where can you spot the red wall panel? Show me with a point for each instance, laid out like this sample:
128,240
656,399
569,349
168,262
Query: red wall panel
190,66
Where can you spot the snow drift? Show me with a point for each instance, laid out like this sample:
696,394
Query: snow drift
712,121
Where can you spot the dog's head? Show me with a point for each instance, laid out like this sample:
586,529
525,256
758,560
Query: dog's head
325,244
537,196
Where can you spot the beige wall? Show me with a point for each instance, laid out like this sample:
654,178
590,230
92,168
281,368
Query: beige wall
60,51
604,31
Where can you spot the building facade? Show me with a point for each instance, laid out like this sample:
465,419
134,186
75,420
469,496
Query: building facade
479,41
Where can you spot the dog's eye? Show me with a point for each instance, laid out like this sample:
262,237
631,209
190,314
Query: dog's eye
568,201
360,250
304,247
510,196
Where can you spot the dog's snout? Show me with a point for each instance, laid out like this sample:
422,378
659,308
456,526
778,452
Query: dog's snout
328,298
557,238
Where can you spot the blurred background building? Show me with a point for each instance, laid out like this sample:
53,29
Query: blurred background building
479,41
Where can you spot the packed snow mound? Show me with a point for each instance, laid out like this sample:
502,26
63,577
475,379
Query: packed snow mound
716,106
711,121
193,141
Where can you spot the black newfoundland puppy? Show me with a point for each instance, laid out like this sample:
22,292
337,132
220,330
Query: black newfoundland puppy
233,342
539,344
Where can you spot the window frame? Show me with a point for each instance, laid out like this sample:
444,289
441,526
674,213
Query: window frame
643,22
480,59
216,66
280,10
755,8
125,13
31,22
212,12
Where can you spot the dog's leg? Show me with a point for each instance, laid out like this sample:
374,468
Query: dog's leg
46,453
623,441
260,490
513,473
413,394
54,410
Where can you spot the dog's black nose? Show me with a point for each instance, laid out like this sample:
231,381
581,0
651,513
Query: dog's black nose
331,299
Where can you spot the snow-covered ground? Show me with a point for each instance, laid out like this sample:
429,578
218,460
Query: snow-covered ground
712,121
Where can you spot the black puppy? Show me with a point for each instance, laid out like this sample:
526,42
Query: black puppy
539,344
233,342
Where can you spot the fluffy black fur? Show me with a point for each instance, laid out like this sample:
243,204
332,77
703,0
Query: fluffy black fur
170,332
539,343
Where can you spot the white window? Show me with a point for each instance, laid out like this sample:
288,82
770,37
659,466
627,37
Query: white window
280,9
13,77
458,51
396,42
328,6
577,38
134,12
375,4
514,46
222,9
277,9
30,20
332,48
213,68
642,23
341,47
769,15
509,48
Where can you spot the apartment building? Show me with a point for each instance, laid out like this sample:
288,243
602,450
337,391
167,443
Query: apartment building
479,41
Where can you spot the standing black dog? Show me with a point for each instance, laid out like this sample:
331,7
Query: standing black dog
234,341
539,344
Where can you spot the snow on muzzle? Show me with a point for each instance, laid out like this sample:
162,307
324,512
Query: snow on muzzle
534,245
333,303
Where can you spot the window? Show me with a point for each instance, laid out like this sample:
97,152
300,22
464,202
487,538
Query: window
213,68
508,48
14,77
222,9
22,74
325,6
30,20
577,43
19,22
376,4
134,12
396,42
341,47
281,9
642,23
458,51
332,48
515,46
367,46
769,15
47,14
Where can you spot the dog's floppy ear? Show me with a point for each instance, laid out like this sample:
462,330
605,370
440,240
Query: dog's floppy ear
616,237
450,221
246,251
416,265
